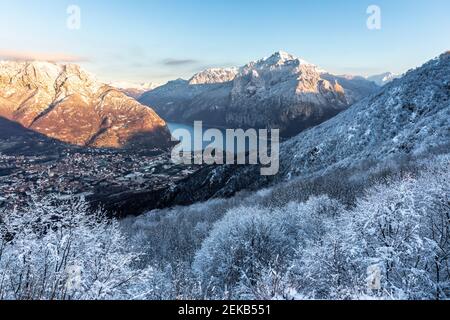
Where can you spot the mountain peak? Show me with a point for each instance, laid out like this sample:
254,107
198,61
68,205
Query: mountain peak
407,117
259,95
47,73
282,57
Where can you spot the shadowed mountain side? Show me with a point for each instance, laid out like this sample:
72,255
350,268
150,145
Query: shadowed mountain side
18,140
146,140
183,102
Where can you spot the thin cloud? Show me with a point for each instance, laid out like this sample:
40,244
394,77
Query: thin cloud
179,62
39,56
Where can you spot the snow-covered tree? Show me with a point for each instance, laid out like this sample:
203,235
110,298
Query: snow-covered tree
394,244
59,249
249,253
403,228
239,246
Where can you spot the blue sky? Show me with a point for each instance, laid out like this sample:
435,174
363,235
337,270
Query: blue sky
159,40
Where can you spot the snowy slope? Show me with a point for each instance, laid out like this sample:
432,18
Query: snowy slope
411,115
134,90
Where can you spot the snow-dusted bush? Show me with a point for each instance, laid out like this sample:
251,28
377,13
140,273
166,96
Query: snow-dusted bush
386,233
238,248
249,252
391,243
58,249
174,234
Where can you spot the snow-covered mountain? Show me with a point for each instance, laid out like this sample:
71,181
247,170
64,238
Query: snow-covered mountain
384,78
408,117
281,91
66,103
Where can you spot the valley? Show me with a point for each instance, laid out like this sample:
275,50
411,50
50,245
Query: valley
131,182
376,165
213,153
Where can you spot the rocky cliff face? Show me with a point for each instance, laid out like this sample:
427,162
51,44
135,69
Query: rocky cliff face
281,91
68,104
215,75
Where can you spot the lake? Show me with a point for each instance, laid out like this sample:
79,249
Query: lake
188,145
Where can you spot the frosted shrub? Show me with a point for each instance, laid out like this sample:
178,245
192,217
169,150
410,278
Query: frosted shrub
400,230
250,251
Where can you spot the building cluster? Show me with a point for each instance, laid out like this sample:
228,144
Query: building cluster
87,172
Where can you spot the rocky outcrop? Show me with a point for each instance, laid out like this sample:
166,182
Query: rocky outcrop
214,75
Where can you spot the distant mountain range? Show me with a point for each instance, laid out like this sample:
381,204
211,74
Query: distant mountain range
281,91
68,104
135,90
41,103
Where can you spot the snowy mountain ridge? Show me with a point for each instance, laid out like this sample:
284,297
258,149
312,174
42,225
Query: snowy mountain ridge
280,91
135,90
145,86
214,75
